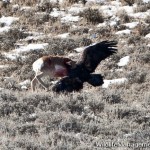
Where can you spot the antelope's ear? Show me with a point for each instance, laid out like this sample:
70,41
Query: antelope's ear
71,63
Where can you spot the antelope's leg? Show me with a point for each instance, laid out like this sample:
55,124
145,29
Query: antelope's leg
38,77
33,83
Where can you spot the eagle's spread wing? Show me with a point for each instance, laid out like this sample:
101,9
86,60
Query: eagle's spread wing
94,54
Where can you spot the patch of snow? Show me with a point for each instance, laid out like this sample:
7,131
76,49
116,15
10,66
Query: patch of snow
146,1
15,7
119,70
70,18
8,20
35,37
24,87
102,24
56,13
4,66
30,47
113,23
128,9
4,29
25,8
116,3
131,25
64,35
127,31
148,35
54,82
33,115
11,56
123,61
26,82
14,54
148,45
6,78
79,49
113,20
96,1
109,10
114,81
74,26
7,1
34,33
1,89
76,9
140,15
54,1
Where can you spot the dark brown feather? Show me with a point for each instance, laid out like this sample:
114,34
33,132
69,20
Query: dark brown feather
89,61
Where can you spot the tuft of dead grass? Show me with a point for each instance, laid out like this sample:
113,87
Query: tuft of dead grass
92,15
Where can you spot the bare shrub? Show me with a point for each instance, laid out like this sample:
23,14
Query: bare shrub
61,46
60,140
27,129
4,4
136,77
147,19
113,98
73,1
79,31
10,83
134,39
17,108
26,2
28,143
71,124
75,106
122,14
36,99
58,28
121,27
7,96
102,32
144,58
129,2
147,97
92,15
143,29
8,40
142,8
127,113
45,6
5,109
5,7
35,18
96,106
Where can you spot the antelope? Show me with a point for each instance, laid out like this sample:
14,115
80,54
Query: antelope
53,66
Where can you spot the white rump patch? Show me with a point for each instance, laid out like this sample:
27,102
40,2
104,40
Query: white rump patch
38,64
59,67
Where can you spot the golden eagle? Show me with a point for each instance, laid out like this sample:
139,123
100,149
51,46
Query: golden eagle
82,72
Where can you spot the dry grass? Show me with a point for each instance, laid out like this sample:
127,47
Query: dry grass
124,16
90,119
92,15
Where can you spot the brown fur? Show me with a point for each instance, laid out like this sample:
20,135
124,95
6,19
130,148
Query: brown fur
50,69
